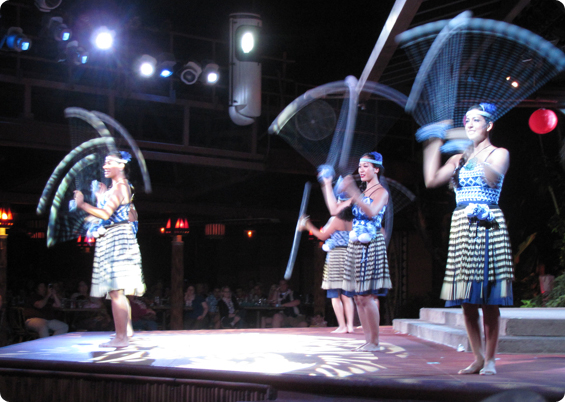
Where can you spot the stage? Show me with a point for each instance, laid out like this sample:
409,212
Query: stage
260,364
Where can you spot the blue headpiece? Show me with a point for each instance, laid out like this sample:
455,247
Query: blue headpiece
378,161
487,110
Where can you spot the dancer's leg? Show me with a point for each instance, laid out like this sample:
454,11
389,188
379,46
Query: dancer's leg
339,315
120,310
471,314
491,316
372,318
130,325
349,309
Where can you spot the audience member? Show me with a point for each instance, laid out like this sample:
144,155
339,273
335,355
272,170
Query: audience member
290,316
98,320
142,317
230,315
40,312
195,318
213,312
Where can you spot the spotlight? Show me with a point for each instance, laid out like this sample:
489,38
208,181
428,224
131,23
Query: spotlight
103,38
190,73
146,65
58,30
210,74
47,5
165,65
76,54
16,40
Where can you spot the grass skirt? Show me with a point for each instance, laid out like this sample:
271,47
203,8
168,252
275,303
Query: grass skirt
479,263
366,268
333,268
117,263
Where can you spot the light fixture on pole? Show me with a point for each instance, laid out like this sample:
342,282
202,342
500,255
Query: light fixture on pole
190,72
244,68
210,74
146,65
57,29
75,54
103,38
165,65
16,40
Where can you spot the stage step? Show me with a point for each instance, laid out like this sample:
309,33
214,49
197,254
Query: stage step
522,330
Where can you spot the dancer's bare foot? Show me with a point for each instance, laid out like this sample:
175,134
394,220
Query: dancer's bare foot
339,330
358,348
474,368
115,343
350,330
371,347
488,368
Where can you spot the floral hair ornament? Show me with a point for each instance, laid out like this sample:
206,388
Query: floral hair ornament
378,161
487,110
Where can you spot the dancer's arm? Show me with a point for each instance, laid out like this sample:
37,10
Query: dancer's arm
436,175
334,207
119,195
323,234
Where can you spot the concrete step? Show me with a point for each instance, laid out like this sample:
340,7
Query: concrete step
521,330
513,321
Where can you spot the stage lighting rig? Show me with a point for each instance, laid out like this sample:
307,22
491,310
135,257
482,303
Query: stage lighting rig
190,72
47,5
16,40
210,73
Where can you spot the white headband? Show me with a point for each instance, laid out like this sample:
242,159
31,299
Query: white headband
374,162
116,159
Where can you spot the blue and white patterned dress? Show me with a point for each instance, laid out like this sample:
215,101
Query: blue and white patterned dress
117,259
366,264
479,264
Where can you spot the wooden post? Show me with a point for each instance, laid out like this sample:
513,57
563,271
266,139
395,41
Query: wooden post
3,263
177,280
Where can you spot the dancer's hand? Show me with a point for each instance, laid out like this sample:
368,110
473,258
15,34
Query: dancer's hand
303,222
350,187
79,198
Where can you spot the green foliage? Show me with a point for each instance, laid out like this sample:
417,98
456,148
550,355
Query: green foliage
554,298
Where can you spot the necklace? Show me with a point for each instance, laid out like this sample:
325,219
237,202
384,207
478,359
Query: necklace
470,165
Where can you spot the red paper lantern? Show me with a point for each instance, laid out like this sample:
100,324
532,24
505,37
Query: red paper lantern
542,121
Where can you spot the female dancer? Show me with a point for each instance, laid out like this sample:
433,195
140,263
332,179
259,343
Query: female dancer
366,265
336,236
117,260
479,266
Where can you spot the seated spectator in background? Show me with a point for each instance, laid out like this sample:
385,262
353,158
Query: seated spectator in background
142,317
98,320
240,294
230,316
256,293
82,296
197,317
40,312
318,321
213,312
290,316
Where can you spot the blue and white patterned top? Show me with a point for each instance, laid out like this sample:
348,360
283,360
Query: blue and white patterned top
473,186
121,214
339,238
362,223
